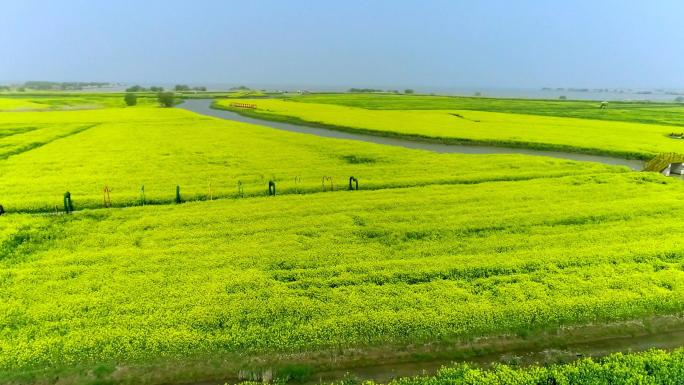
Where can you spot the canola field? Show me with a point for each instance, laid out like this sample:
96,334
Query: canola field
11,104
128,148
611,137
46,101
346,269
432,249
624,111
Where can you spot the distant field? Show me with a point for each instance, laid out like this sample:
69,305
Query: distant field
66,101
7,104
479,127
55,100
126,148
638,112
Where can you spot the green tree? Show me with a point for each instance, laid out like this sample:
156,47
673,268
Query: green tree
408,91
135,88
563,97
131,99
165,99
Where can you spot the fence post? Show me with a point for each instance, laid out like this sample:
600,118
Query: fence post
2,210
241,190
325,179
297,181
107,198
68,205
178,196
142,194
271,188
356,181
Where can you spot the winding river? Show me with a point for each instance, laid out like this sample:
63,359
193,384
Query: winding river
203,106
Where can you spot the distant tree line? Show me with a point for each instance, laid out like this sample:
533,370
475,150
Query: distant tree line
178,88
365,90
137,88
45,85
185,87
165,99
371,90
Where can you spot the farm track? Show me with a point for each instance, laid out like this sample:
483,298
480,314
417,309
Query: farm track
383,364
546,351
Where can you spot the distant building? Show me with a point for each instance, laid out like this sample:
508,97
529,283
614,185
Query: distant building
677,168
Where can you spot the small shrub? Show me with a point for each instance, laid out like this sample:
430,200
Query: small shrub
131,99
166,99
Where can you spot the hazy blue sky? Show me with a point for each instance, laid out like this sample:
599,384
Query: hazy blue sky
389,43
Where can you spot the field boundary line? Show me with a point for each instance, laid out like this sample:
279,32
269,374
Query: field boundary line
35,145
293,191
